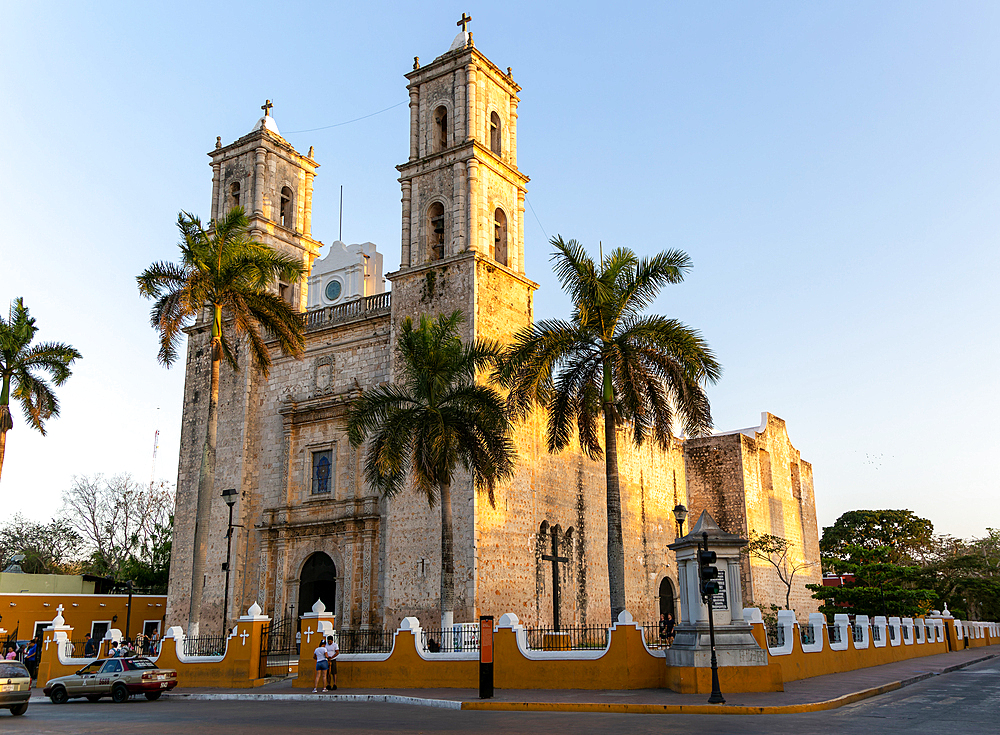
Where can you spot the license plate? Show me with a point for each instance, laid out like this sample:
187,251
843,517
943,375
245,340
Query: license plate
8,687
163,685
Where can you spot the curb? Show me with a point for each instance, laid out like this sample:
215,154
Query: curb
588,707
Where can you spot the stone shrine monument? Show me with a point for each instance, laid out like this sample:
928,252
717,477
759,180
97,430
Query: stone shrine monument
734,642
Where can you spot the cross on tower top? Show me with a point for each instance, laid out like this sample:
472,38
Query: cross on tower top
266,107
59,609
466,19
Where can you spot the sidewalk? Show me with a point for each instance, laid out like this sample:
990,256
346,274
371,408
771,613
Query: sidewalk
806,695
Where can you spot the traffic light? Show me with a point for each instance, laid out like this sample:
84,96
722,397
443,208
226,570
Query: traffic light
707,573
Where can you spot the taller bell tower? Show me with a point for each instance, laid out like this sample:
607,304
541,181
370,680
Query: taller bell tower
463,194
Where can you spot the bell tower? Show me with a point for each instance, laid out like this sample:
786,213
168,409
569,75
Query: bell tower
273,182
463,195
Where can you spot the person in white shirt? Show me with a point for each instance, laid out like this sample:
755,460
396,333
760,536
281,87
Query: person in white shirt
322,665
332,651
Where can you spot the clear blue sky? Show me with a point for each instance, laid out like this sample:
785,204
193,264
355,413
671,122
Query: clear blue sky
833,169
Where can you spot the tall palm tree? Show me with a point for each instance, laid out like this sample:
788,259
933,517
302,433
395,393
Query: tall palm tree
611,361
434,419
227,274
20,364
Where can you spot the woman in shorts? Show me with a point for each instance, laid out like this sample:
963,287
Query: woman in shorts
322,665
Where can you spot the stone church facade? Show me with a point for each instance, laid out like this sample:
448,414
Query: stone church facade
309,527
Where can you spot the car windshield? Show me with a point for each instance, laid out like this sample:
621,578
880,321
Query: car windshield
141,663
12,670
91,668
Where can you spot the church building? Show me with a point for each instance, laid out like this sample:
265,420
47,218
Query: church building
310,528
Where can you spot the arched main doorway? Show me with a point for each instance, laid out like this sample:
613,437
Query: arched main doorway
318,581
667,603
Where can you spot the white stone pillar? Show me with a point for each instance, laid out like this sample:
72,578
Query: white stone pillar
471,87
258,181
512,132
473,206
307,214
405,244
216,185
519,267
414,122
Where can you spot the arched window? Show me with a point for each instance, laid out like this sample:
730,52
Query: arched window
440,128
285,210
318,581
435,231
234,194
500,236
495,133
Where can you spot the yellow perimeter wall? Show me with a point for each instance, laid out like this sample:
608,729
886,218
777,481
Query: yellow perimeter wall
625,664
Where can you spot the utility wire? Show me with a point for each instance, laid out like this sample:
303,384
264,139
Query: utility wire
347,122
536,218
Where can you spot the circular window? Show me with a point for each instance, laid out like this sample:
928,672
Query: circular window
333,290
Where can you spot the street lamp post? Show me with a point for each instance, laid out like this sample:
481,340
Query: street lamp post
680,513
128,614
230,497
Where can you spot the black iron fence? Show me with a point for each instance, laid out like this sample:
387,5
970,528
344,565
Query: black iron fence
834,632
775,634
655,635
458,639
357,640
567,638
858,632
807,634
205,645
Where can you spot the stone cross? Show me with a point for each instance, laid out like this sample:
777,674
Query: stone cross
466,19
556,561
244,635
266,107
59,610
309,633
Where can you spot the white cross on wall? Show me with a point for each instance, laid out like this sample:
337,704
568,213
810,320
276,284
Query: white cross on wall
47,642
309,632
244,635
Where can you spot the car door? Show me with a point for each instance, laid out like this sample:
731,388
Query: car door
84,680
110,673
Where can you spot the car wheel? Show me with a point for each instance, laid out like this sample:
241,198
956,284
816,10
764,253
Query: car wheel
19,709
93,697
152,696
119,693
59,695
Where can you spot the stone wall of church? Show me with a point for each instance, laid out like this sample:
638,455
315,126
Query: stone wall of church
756,482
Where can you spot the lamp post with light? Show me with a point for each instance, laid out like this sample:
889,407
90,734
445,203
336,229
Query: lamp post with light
680,513
230,497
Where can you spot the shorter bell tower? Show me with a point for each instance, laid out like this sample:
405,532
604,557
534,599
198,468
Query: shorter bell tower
273,182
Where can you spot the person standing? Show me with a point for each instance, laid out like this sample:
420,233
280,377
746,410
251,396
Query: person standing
669,629
31,657
322,665
332,651
89,647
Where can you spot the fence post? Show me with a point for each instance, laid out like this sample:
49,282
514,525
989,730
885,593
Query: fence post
245,657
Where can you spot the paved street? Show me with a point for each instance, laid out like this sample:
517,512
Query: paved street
966,701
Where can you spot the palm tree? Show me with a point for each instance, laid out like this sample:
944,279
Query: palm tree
611,361
436,417
20,363
227,273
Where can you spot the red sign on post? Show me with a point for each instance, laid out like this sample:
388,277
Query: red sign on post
486,640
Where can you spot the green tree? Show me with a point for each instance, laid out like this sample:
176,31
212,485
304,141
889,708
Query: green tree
228,276
434,419
880,586
610,361
48,548
904,533
775,550
21,363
